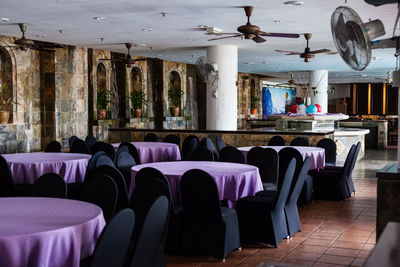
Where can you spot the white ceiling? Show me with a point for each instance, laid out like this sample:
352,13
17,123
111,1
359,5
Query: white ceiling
173,38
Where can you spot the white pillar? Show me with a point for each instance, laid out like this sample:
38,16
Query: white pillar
319,81
222,106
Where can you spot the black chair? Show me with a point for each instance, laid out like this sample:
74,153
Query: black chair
202,154
104,160
106,147
80,146
71,140
220,143
276,140
189,145
92,163
208,228
231,154
172,138
118,178
132,150
262,219
207,143
150,137
90,140
7,185
124,162
101,191
267,162
53,146
332,183
113,243
50,185
350,183
148,248
330,150
299,141
122,149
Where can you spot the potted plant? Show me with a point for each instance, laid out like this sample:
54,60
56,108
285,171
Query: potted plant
5,103
138,98
254,104
103,98
175,96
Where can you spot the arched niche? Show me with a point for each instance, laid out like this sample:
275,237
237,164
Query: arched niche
175,82
101,83
136,79
6,77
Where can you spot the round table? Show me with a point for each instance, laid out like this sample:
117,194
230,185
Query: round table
27,167
155,151
233,180
47,231
317,154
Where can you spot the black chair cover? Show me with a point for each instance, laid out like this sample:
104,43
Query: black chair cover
71,140
106,147
207,143
172,138
80,146
7,186
53,146
189,145
124,162
299,141
90,140
231,154
104,160
50,185
267,162
276,140
220,143
150,137
330,150
132,150
202,154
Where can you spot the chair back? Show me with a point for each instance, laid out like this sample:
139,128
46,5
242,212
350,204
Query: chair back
287,182
220,143
102,191
106,147
92,163
122,149
80,146
189,145
299,141
267,162
146,174
119,180
207,143
71,140
150,137
298,182
7,186
53,146
173,139
354,160
113,243
286,154
90,140
231,154
330,150
132,150
202,154
150,242
104,160
50,185
124,162
276,140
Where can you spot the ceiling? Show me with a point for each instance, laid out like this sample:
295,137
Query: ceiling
172,36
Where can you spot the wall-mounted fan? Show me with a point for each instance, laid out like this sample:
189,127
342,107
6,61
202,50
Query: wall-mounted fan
308,54
128,61
208,73
251,31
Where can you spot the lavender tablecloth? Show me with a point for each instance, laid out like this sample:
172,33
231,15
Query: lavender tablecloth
155,151
317,154
233,180
47,231
27,167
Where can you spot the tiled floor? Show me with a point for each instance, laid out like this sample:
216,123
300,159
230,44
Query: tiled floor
333,233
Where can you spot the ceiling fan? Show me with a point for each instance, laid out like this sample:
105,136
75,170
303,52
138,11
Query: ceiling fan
128,61
25,44
308,54
290,82
251,31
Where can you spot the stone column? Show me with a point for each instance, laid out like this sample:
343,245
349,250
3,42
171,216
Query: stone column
222,104
319,81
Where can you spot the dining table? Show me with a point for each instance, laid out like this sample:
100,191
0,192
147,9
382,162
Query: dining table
155,151
317,154
27,167
233,180
45,232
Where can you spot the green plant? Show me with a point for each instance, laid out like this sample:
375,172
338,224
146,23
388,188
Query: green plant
4,101
138,98
103,98
254,101
175,95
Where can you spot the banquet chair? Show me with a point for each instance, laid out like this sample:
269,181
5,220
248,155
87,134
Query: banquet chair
172,138
208,228
299,141
106,147
71,140
148,248
276,140
90,140
231,154
189,145
53,146
92,163
102,191
49,185
330,150
207,143
118,178
80,146
202,154
7,185
122,149
332,183
220,143
113,243
104,159
124,162
262,219
150,137
132,150
267,162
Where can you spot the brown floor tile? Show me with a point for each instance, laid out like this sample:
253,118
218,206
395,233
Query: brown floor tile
310,248
358,262
326,236
324,264
368,247
364,254
336,259
351,245
318,242
342,252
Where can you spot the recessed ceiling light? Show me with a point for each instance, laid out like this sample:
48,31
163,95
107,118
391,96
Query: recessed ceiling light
279,21
4,19
41,36
189,40
202,26
376,58
249,63
147,30
364,75
141,45
99,18
294,3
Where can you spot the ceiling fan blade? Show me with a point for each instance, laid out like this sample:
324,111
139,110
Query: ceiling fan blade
320,51
332,53
278,34
219,38
288,52
258,39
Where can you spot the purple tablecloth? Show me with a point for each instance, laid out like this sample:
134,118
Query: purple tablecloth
233,180
27,167
155,151
317,154
47,231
